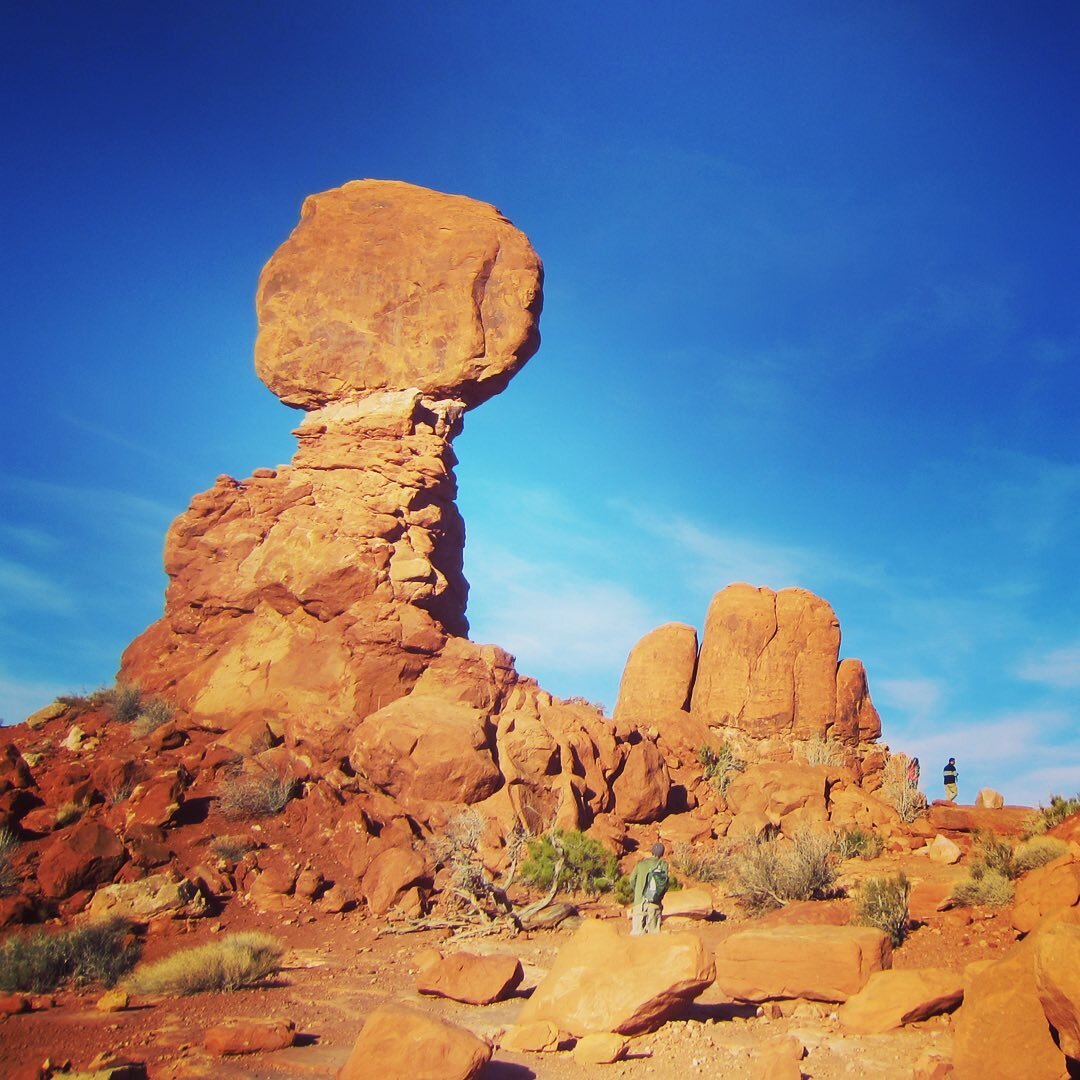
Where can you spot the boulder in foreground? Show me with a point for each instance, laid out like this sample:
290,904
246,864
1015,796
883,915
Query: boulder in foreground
822,963
472,979
891,999
399,1043
604,981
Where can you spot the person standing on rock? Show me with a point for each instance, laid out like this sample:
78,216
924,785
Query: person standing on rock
950,780
649,880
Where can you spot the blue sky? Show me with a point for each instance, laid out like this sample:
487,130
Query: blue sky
811,319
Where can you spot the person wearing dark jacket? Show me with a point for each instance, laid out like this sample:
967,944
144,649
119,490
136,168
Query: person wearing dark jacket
950,780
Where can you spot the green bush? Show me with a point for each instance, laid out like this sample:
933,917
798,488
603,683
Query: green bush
1046,817
1037,851
774,871
719,766
993,854
588,866
858,844
38,963
252,795
984,887
883,902
623,891
236,961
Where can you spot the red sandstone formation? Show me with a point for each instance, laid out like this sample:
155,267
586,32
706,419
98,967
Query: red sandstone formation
768,675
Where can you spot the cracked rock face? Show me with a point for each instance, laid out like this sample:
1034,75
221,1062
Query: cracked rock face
386,286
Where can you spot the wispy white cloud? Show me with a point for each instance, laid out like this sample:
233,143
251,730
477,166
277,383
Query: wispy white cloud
1059,668
23,587
557,623
21,697
918,698
107,435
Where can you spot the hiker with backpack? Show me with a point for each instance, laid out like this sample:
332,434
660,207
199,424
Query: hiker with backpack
650,881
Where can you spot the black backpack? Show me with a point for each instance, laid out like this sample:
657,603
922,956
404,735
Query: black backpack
656,884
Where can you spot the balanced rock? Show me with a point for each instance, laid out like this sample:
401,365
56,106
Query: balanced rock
472,979
602,981
320,592
821,963
399,1043
386,286
891,999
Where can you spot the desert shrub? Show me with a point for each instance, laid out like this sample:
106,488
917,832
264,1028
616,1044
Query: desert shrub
152,715
1046,817
588,866
818,750
9,878
992,854
458,850
773,871
883,902
126,701
984,887
252,795
905,798
1037,851
623,891
38,963
858,843
232,848
236,961
702,862
719,766
68,812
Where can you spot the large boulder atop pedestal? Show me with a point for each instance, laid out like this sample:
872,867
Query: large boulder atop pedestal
387,286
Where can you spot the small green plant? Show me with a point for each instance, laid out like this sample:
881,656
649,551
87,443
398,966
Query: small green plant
238,960
702,862
38,963
771,872
154,713
819,750
1037,851
9,877
858,843
1046,817
232,848
719,766
587,866
883,902
984,887
253,795
126,701
624,891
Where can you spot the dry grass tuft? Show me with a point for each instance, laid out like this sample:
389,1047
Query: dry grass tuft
236,961
883,902
247,795
769,873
